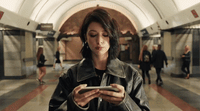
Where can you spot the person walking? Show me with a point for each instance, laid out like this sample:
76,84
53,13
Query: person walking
100,67
153,51
57,61
186,62
42,68
145,63
154,47
158,61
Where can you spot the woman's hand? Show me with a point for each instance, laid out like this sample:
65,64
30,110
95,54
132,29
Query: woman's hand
111,96
85,98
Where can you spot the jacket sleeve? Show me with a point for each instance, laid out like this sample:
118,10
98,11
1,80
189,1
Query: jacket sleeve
136,100
62,99
153,59
150,58
42,59
187,56
57,55
165,59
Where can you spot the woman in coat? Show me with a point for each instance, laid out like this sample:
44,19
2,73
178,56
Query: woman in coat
186,61
99,67
145,63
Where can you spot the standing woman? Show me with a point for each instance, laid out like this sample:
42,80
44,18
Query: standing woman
145,62
99,67
40,65
186,61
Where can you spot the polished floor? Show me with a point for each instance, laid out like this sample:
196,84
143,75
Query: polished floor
176,94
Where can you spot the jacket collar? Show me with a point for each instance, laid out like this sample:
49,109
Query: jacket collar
86,69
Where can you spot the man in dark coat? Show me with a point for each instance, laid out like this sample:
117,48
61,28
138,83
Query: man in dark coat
154,47
57,59
158,61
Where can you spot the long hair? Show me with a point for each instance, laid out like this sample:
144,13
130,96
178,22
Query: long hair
110,26
145,47
39,52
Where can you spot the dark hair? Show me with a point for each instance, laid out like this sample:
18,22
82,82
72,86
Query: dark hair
110,26
145,47
39,52
159,47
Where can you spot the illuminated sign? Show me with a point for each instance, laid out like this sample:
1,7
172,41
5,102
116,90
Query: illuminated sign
45,27
194,13
144,32
1,14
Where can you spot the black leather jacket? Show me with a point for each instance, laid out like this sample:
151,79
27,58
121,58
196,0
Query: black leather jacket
84,73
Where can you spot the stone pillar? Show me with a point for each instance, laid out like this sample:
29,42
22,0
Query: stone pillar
167,48
19,55
29,60
14,51
1,55
195,49
49,47
135,49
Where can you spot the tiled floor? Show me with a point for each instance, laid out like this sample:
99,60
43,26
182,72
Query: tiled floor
177,94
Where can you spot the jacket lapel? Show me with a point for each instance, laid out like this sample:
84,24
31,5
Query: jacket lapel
86,69
115,68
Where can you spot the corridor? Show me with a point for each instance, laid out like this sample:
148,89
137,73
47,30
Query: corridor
176,94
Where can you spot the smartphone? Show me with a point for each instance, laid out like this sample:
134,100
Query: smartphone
89,88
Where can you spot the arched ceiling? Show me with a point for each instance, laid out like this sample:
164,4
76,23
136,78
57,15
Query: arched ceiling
141,13
72,24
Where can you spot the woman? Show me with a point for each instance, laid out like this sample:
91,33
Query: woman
99,67
186,61
57,58
145,62
40,65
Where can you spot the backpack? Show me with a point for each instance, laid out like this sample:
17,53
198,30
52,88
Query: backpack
146,57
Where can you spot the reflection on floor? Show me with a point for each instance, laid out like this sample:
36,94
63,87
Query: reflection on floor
176,94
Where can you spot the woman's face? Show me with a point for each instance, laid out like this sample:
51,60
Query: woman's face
97,39
186,47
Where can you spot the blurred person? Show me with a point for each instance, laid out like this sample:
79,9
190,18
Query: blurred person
158,61
186,61
42,68
145,63
99,67
57,59
154,47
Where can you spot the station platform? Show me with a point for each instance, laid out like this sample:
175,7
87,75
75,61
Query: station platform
176,94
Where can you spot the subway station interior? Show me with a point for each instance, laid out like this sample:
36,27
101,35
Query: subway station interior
26,25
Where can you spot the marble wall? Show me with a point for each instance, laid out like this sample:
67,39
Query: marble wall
180,38
196,52
29,61
1,55
14,51
19,54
